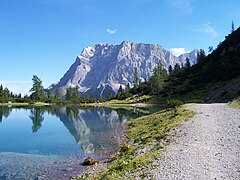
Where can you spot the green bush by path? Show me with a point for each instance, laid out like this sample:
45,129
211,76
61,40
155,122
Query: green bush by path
235,103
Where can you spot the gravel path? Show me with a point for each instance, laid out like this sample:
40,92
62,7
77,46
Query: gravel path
205,147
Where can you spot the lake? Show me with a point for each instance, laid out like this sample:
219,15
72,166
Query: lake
51,142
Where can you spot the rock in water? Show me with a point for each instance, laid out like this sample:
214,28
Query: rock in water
89,161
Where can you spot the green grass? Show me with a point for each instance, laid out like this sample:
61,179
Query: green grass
131,100
235,103
147,131
25,104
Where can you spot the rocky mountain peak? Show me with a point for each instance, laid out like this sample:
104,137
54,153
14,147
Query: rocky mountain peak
101,69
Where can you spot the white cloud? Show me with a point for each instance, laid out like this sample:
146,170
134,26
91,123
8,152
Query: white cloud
209,29
111,31
178,51
183,5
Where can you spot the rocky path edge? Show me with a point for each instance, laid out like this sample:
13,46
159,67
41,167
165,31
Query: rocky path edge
205,147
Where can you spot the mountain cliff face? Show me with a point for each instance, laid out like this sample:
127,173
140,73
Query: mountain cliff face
101,69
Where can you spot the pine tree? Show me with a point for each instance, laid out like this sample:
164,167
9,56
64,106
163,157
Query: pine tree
188,64
170,70
110,96
201,56
157,81
6,95
75,92
49,94
57,94
233,28
1,90
69,93
127,89
210,49
37,89
120,92
177,69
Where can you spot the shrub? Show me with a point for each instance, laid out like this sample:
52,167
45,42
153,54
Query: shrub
174,102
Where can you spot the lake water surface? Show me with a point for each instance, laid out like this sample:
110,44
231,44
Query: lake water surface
51,142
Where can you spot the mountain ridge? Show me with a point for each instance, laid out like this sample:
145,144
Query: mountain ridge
215,78
100,69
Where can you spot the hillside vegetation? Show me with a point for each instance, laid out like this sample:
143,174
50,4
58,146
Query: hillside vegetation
145,142
235,103
214,78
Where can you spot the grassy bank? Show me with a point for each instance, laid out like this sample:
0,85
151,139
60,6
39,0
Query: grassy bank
110,104
131,100
235,103
25,104
145,137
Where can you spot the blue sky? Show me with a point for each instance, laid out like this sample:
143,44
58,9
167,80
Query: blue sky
43,37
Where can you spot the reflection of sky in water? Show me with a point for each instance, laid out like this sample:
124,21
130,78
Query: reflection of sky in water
65,135
62,131
53,138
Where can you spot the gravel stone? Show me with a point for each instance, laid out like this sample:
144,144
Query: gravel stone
205,147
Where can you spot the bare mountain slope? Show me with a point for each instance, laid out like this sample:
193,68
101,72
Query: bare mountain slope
101,69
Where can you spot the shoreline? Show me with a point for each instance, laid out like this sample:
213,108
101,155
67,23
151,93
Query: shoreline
144,142
25,104
117,105
80,104
106,161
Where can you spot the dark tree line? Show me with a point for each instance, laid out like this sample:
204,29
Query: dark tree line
6,95
158,82
72,95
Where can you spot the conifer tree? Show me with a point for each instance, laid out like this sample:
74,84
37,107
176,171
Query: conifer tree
110,96
170,70
127,89
57,94
177,69
233,28
69,93
157,81
188,64
1,89
49,95
37,89
201,56
120,92
75,92
210,49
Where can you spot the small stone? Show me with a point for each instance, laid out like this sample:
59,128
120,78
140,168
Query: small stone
89,161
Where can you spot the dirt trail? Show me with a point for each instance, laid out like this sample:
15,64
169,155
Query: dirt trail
205,147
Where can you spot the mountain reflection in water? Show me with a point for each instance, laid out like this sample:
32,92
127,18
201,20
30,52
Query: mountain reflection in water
91,128
96,130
